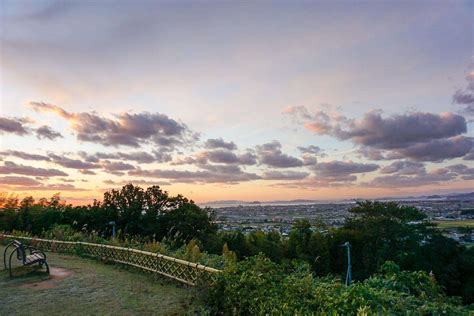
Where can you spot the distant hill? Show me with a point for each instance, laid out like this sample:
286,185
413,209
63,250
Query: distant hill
452,197
461,196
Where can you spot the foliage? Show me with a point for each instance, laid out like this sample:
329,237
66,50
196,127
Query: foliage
258,286
151,220
150,214
193,253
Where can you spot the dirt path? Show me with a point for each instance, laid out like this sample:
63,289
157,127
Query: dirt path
55,276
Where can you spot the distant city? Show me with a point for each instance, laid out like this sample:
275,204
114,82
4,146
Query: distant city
454,213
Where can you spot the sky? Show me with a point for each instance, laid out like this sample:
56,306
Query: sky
218,100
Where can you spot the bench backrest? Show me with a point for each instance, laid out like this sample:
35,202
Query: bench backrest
20,254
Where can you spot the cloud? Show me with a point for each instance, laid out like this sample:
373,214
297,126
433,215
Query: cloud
229,169
24,155
67,180
139,156
183,176
372,153
464,171
310,153
331,174
98,161
436,150
316,182
470,155
416,135
14,126
311,149
270,154
219,143
404,168
225,157
58,187
17,126
309,160
465,97
219,158
286,175
46,132
117,166
87,172
126,129
399,131
337,169
409,174
72,163
13,168
400,180
137,182
160,156
20,181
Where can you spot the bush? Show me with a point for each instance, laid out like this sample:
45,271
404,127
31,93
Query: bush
258,286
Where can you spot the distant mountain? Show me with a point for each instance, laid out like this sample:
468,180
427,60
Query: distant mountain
452,197
229,202
224,203
434,196
461,196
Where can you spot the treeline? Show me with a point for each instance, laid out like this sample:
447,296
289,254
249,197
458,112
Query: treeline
150,214
378,232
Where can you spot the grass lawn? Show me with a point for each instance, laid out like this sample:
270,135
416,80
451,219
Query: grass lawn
455,223
79,286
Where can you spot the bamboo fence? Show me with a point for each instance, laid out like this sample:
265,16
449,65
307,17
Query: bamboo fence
180,270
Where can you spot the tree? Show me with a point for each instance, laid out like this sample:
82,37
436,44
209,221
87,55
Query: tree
187,221
298,241
125,207
382,231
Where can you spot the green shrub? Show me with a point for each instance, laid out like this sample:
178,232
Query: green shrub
258,286
63,232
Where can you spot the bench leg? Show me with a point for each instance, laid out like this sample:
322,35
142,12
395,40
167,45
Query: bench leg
10,262
47,266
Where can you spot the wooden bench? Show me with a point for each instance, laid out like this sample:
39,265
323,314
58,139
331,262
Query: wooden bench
34,256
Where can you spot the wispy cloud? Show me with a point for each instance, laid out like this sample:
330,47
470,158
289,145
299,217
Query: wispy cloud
10,167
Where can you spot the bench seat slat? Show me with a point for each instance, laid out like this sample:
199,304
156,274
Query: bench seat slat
33,258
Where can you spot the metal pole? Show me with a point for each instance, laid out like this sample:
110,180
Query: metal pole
113,228
349,267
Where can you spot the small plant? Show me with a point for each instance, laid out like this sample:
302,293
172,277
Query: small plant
193,253
230,258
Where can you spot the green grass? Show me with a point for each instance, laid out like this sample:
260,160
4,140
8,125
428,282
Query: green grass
93,288
455,223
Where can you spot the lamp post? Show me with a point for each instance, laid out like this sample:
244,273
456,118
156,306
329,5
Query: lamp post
349,268
113,228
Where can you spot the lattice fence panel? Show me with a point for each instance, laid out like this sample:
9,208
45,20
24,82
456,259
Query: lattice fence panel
177,269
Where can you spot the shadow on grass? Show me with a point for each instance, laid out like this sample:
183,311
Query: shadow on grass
23,275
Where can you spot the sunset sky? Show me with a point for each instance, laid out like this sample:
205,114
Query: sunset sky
269,100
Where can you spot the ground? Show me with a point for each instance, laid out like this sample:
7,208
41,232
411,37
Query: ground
455,223
79,286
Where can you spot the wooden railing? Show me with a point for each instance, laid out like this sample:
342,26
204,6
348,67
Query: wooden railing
180,270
